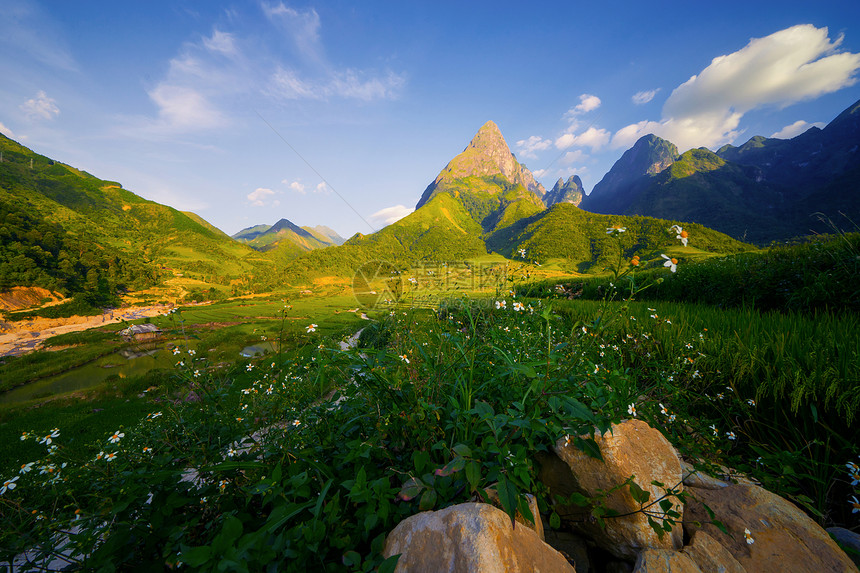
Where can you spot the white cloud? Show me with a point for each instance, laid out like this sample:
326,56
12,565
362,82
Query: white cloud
6,131
185,108
529,147
296,186
587,102
592,137
791,65
302,27
572,157
643,97
538,173
795,129
391,214
350,84
322,187
258,196
221,42
40,106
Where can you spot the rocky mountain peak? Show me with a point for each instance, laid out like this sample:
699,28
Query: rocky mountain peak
650,155
487,155
569,191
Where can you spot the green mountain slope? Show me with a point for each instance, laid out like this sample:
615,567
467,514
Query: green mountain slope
441,230
69,230
567,232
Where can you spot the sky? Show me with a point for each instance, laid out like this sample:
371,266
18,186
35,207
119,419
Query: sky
341,113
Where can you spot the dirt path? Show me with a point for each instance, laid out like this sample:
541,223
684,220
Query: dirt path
27,335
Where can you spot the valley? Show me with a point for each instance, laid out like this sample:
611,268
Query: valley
319,391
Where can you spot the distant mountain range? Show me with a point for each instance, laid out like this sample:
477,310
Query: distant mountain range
66,229
764,190
288,236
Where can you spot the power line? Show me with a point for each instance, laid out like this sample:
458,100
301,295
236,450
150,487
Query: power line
315,171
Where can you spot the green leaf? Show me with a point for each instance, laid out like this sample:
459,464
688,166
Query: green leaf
411,488
351,559
483,410
196,556
577,410
720,526
389,565
589,446
554,521
508,496
639,495
577,498
463,450
451,467
428,500
656,527
666,505
473,474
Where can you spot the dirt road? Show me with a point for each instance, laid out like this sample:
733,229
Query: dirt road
27,335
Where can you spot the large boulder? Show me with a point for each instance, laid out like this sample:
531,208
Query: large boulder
631,448
849,540
783,537
711,557
664,561
470,537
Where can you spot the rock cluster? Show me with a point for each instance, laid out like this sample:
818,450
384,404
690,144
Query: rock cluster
763,532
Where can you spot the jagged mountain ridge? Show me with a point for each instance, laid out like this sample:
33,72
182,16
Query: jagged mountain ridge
570,191
764,190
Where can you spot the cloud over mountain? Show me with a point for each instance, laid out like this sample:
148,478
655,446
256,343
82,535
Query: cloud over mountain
786,67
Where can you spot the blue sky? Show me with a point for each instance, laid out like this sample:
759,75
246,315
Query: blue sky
341,113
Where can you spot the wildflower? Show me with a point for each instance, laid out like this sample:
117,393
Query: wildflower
48,469
99,456
249,367
731,435
78,514
855,478
176,350
855,505
239,419
751,402
8,485
296,423
404,358
312,328
671,263
631,409
47,439
191,352
615,229
682,235
116,437
231,452
153,415
197,374
180,364
518,306
852,467
500,305
111,456
688,345
522,253
714,428
748,536
25,436
147,450
222,485
635,261
26,468
506,329
672,417
663,410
